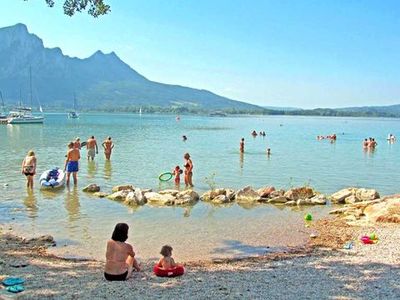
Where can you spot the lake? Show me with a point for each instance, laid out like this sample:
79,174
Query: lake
148,145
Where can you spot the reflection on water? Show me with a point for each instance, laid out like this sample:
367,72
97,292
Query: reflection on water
72,203
31,204
241,162
107,170
91,168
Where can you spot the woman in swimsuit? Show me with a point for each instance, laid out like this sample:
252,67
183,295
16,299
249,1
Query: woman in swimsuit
188,170
108,146
29,168
120,257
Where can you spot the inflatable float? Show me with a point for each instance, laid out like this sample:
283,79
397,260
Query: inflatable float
52,179
173,272
165,176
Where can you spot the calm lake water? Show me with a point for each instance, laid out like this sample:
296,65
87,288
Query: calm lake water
148,145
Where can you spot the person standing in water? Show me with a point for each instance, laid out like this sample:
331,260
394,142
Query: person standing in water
29,168
108,145
188,170
92,148
77,143
242,145
72,162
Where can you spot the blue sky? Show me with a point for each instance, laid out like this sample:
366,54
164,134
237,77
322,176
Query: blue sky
283,53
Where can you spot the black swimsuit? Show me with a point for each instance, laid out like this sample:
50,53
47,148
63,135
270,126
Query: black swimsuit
119,277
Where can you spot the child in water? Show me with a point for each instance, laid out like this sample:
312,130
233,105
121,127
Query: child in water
166,262
177,173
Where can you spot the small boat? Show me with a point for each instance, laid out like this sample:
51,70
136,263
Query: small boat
52,179
140,111
73,114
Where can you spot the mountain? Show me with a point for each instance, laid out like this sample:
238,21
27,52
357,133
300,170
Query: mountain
390,109
101,81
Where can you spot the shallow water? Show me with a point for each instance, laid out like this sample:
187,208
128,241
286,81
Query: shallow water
151,144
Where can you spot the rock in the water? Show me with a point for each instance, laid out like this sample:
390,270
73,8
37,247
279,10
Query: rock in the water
100,194
299,193
119,196
126,187
135,198
91,188
278,200
170,192
221,199
186,197
217,193
304,202
276,193
319,199
366,194
247,194
340,196
265,191
44,240
158,199
291,203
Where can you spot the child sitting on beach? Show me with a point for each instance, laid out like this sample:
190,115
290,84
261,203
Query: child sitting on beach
177,173
166,262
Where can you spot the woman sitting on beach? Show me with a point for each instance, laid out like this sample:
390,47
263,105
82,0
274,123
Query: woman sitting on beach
29,168
120,257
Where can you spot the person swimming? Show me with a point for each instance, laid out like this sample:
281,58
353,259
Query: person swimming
254,133
365,143
241,145
184,138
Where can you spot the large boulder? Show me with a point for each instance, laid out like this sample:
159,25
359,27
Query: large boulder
319,199
295,194
216,193
125,187
119,196
186,197
91,188
366,194
221,199
340,196
265,191
158,199
247,194
135,198
387,211
276,193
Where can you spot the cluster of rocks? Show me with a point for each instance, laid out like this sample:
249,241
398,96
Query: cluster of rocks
132,196
363,206
294,196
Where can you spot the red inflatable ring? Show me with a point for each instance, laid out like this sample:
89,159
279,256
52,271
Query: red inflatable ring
160,272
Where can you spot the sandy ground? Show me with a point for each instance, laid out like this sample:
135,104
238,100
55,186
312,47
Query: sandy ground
321,270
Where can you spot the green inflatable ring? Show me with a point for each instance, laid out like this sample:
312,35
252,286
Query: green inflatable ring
165,176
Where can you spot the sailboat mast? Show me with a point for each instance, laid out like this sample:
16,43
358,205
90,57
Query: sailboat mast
30,84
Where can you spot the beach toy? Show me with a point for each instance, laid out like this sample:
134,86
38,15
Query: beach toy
83,144
308,217
348,245
373,236
15,288
165,176
366,240
9,281
173,272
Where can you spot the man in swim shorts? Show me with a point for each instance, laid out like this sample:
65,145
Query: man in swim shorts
72,162
92,148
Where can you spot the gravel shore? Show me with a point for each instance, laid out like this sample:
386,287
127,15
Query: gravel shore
321,270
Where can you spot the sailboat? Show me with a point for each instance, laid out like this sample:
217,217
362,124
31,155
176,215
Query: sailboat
3,116
23,114
73,114
140,111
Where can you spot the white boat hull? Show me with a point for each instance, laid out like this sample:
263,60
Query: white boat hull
26,120
51,184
